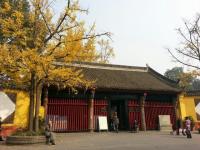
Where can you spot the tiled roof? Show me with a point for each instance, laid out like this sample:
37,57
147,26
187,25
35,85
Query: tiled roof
193,93
118,77
127,78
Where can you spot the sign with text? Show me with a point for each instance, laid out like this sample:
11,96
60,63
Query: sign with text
102,122
164,120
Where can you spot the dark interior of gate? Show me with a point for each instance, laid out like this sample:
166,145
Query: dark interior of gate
69,112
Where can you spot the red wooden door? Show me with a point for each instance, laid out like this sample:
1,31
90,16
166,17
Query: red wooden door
155,108
68,114
100,109
134,113
152,110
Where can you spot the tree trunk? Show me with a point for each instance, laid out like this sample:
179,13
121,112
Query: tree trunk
32,97
45,103
175,104
37,107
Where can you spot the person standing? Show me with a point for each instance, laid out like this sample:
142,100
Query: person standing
178,126
115,122
188,127
136,127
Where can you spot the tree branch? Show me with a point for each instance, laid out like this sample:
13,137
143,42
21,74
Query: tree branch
185,54
45,21
178,60
56,30
92,36
52,50
187,40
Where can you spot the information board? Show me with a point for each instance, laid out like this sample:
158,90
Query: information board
164,120
102,122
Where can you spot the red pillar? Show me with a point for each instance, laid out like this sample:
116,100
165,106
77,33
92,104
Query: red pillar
142,103
91,111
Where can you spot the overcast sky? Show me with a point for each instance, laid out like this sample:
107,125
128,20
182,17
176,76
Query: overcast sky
142,29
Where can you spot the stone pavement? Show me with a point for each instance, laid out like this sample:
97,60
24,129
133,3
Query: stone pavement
116,141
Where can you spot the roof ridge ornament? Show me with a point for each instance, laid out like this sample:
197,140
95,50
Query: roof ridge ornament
148,67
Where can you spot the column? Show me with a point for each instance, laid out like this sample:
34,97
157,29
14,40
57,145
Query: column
91,111
142,103
45,102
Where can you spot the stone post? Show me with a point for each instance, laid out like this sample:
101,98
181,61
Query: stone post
142,103
91,111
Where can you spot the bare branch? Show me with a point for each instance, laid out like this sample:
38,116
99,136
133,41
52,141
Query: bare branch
91,29
63,30
57,45
178,60
185,54
45,21
50,4
192,36
57,28
189,41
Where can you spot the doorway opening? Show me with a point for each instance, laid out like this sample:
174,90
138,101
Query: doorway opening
119,107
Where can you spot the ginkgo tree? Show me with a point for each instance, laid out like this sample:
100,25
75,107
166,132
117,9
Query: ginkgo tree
32,41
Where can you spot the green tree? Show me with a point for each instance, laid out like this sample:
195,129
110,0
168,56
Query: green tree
174,73
186,80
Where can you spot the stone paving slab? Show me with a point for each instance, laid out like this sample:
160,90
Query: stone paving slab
115,141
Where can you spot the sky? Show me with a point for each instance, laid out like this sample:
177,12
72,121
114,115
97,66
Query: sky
141,29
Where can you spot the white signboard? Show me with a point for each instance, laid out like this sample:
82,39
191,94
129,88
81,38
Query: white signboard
103,124
164,120
7,107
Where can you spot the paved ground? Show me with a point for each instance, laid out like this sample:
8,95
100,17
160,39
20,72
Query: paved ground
116,141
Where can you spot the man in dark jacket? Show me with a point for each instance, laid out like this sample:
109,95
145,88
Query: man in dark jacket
178,126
